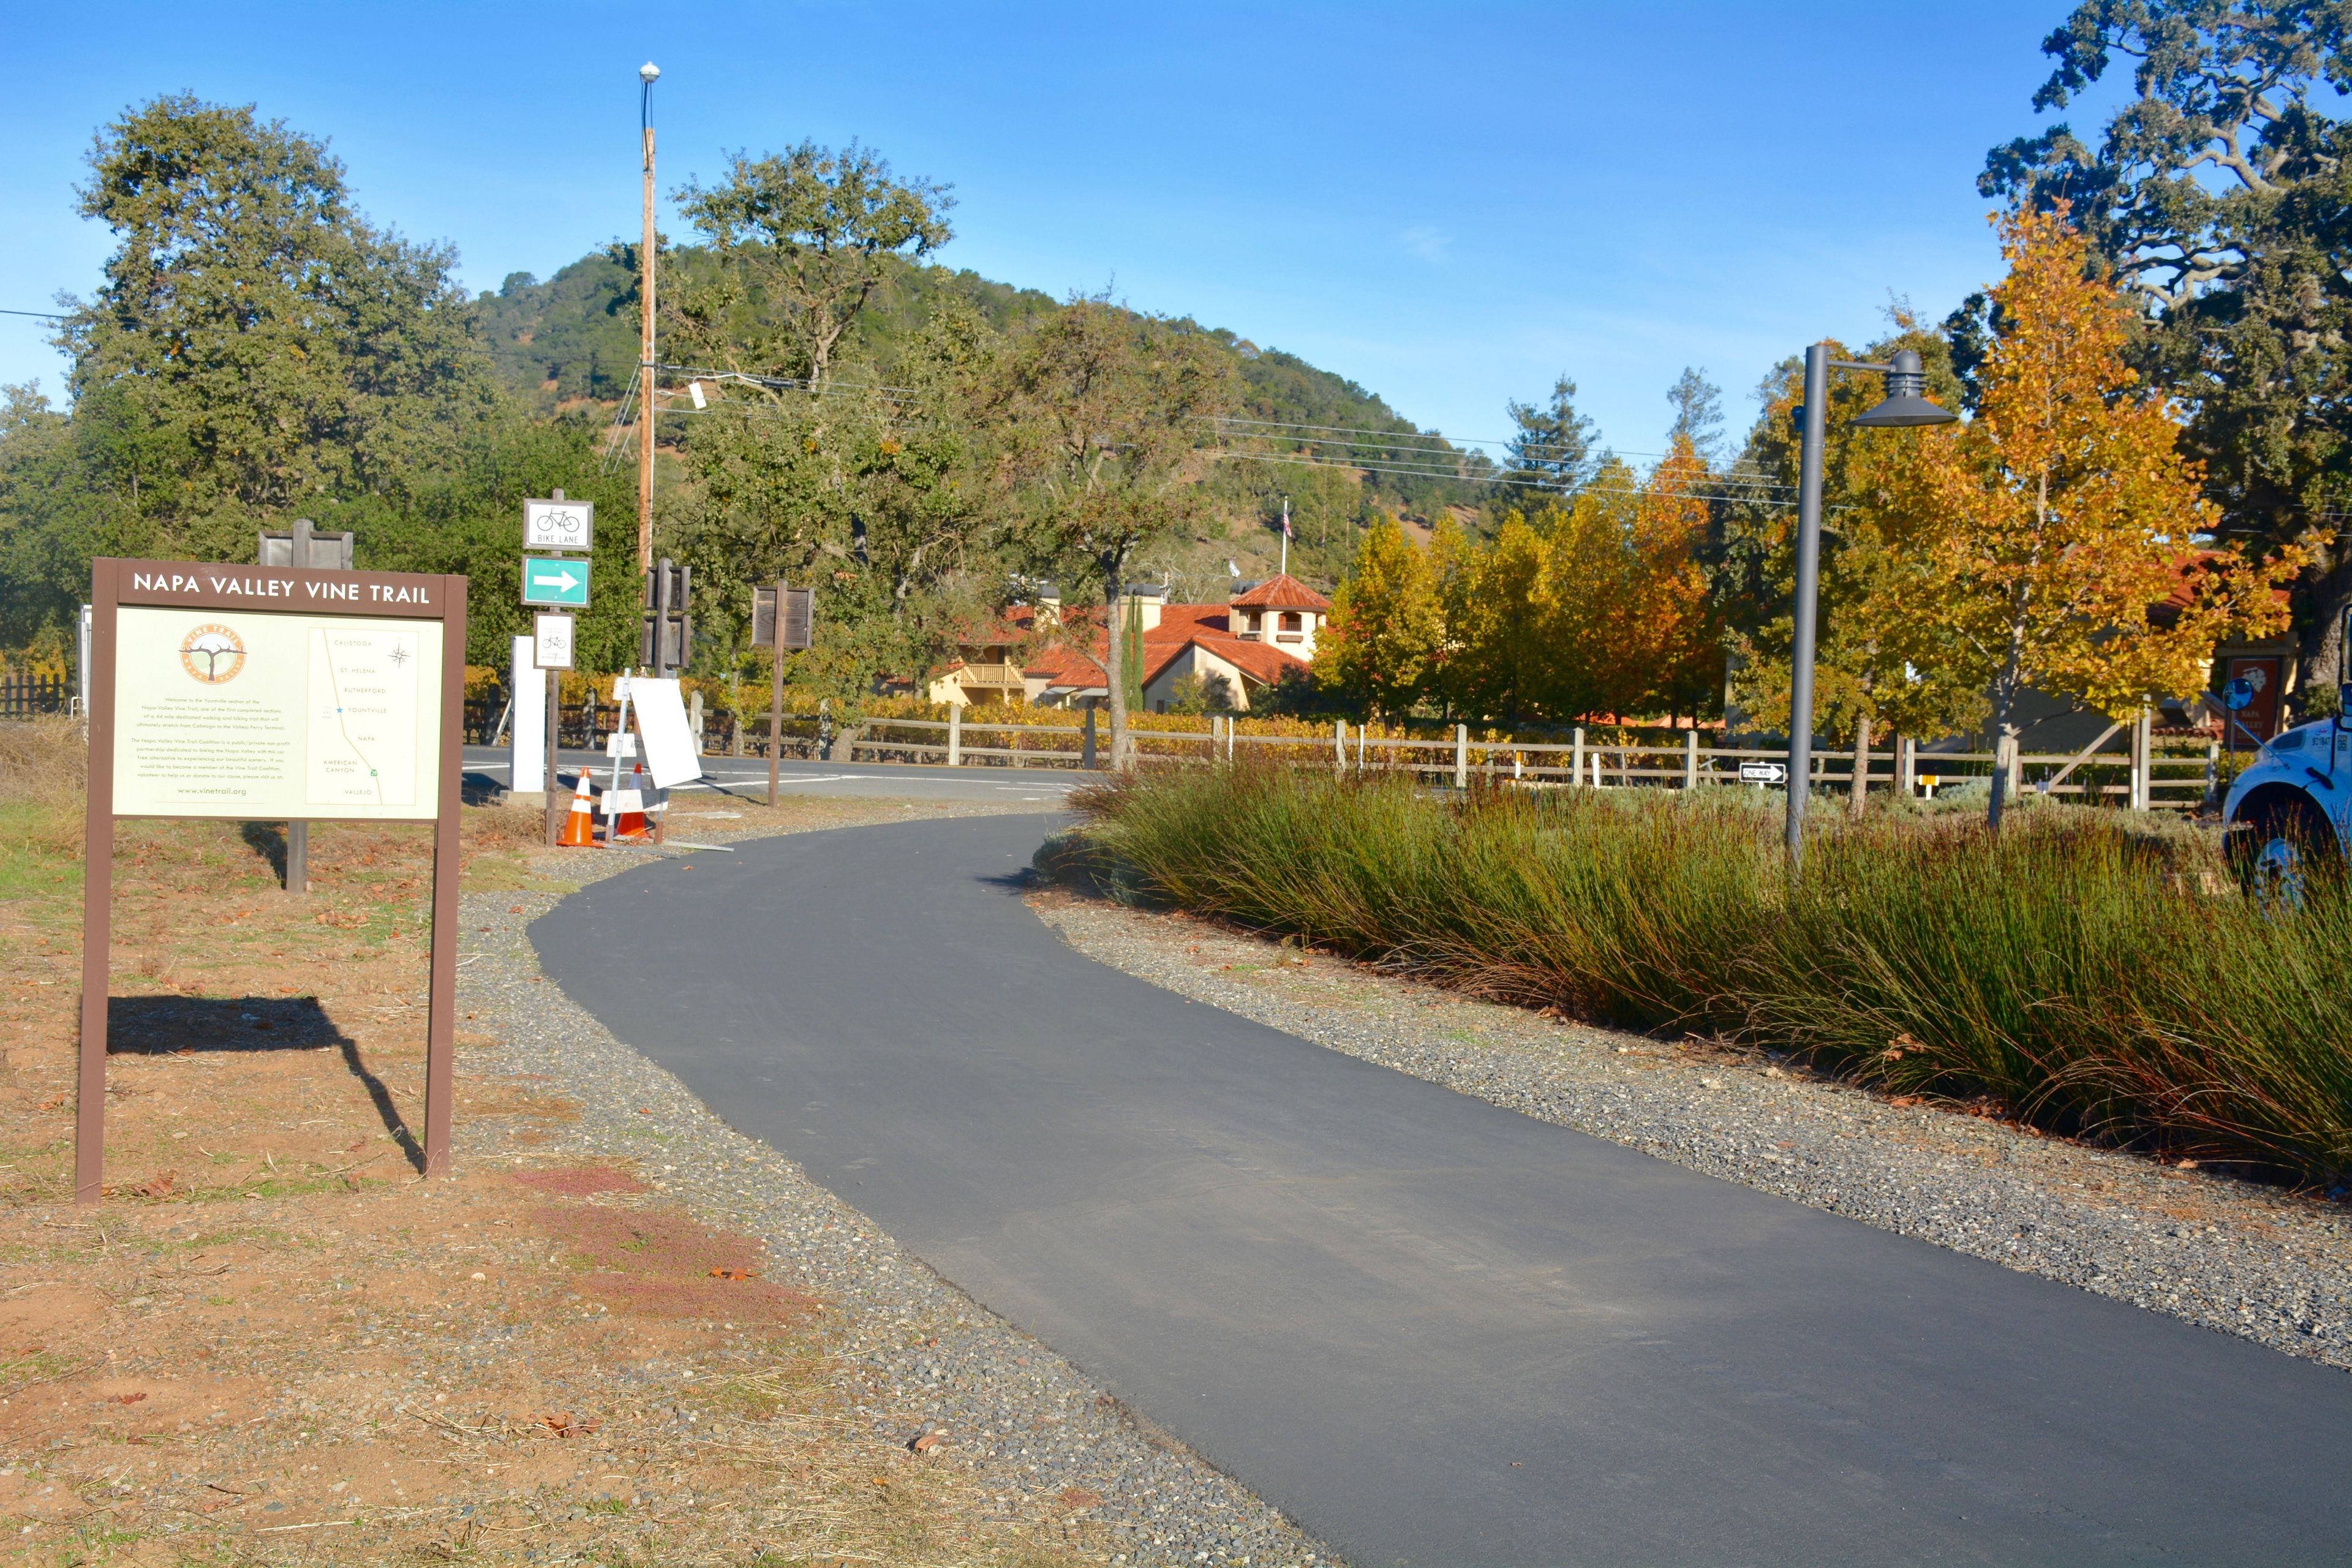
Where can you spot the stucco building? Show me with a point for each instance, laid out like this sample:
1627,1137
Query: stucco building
1236,650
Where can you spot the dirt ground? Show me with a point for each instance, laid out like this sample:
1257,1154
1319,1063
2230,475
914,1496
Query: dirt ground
274,1343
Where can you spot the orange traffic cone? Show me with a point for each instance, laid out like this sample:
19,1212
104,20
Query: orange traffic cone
580,828
631,823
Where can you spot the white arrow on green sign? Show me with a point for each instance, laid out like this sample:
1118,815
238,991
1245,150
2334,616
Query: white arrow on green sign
555,583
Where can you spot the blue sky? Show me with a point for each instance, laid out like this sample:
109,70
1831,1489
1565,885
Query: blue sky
1450,204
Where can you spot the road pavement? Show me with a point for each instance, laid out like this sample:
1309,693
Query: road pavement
1432,1330
748,777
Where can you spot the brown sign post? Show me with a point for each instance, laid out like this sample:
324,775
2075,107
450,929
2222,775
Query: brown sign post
782,619
271,693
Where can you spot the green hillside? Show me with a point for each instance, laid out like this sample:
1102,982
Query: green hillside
574,336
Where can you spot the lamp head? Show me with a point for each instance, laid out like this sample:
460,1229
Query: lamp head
649,73
1906,404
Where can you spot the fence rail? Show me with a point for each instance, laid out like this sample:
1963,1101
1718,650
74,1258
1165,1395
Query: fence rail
2143,770
2141,773
32,696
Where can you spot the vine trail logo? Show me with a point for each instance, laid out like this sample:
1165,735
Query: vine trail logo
212,654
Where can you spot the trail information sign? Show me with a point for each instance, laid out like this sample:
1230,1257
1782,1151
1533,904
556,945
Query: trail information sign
261,694
269,716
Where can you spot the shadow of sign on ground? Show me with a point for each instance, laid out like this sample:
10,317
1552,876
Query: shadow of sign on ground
161,1025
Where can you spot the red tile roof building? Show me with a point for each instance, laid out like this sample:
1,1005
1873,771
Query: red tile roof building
1263,633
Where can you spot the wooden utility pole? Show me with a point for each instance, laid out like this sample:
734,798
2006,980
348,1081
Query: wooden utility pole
647,376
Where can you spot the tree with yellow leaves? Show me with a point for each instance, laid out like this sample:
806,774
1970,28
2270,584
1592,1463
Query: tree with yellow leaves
1500,647
1629,626
1884,663
1386,629
2063,514
1671,643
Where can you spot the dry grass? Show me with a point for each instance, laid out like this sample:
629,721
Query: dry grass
273,1344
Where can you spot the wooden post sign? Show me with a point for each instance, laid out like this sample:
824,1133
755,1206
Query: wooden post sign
783,618
271,693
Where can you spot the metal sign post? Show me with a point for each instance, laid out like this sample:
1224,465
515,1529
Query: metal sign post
302,545
556,524
550,650
783,618
348,691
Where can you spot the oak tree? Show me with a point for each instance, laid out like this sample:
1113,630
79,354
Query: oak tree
799,240
257,345
2216,192
1098,412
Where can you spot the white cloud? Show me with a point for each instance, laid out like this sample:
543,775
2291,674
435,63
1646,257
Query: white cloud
1426,242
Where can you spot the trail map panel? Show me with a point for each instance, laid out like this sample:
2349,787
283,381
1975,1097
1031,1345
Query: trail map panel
259,717
362,741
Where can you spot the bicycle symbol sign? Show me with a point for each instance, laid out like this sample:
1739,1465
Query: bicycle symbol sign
558,524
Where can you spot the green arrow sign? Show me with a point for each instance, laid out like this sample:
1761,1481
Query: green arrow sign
563,582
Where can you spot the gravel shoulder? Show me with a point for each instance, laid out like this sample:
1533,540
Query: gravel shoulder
920,1362
2226,1254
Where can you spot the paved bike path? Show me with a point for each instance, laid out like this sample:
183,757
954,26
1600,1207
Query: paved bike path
1433,1332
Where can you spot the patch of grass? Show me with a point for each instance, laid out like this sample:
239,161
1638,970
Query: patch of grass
2088,971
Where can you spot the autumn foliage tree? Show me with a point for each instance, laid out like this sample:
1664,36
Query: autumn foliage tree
1883,664
1386,629
1625,609
1500,657
2066,543
1668,646
1598,607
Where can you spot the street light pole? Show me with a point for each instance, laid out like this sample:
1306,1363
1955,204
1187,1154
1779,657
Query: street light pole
1904,407
648,74
1809,593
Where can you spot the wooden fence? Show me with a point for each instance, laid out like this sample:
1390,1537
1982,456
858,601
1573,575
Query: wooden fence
2127,764
32,696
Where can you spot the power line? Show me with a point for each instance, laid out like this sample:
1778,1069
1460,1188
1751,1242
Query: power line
1752,486
1398,444
50,315
1402,454
1409,444
1548,487
1459,443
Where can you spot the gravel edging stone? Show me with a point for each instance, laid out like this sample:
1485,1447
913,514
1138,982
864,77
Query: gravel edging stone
920,1356
2225,1254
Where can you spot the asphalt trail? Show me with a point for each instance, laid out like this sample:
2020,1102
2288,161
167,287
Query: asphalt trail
1433,1332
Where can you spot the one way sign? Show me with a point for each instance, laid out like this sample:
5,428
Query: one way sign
555,583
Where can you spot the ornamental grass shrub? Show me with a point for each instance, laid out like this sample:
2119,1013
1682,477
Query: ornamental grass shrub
2091,971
